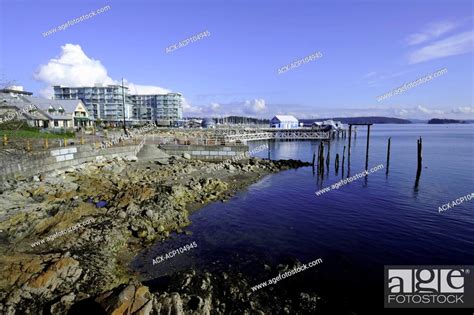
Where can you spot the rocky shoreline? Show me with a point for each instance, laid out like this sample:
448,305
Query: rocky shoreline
133,204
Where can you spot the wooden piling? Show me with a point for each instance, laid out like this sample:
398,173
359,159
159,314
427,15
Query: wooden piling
319,156
336,163
328,157
388,155
349,147
343,155
268,150
321,159
367,148
419,158
46,143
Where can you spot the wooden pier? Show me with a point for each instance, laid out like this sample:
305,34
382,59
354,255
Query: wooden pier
245,135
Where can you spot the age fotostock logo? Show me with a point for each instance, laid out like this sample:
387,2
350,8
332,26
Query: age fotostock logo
429,286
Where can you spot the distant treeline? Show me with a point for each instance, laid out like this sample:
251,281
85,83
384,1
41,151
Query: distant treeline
449,121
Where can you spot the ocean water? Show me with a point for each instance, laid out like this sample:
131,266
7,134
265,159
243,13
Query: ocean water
356,230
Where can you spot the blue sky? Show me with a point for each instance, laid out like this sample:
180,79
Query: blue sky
368,48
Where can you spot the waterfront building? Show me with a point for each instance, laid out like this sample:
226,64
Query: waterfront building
284,122
106,103
44,113
163,109
11,105
103,103
15,90
67,114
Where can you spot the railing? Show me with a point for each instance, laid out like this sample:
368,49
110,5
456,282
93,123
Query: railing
152,139
278,134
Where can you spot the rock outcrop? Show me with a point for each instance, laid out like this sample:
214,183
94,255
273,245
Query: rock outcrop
132,204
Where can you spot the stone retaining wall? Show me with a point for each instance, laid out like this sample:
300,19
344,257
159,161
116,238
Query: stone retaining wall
59,158
206,152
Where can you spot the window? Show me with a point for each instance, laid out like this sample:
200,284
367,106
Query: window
56,124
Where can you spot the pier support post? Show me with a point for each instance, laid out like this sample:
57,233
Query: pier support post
349,147
327,160
388,155
268,145
419,160
321,158
336,163
328,157
367,148
343,156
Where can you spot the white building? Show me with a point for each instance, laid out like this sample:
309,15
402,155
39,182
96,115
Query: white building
66,114
284,122
44,113
102,102
107,103
158,107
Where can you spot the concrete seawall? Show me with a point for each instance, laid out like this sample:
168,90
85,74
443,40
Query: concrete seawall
59,158
206,152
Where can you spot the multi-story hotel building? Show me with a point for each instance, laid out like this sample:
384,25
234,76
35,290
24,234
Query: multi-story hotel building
106,103
158,107
102,102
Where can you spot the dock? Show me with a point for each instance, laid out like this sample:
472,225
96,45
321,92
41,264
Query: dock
256,134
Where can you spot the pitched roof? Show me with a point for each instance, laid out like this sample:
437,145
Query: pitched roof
69,106
8,100
286,118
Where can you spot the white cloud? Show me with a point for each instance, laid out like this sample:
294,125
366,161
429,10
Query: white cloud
215,106
370,74
190,110
451,46
373,79
146,89
463,110
431,31
254,107
429,111
74,68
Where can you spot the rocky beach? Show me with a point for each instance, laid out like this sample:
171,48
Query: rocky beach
129,205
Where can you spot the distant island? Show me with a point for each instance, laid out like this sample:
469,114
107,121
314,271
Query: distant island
446,121
355,120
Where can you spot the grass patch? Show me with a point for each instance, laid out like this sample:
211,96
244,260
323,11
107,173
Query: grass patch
15,129
35,134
